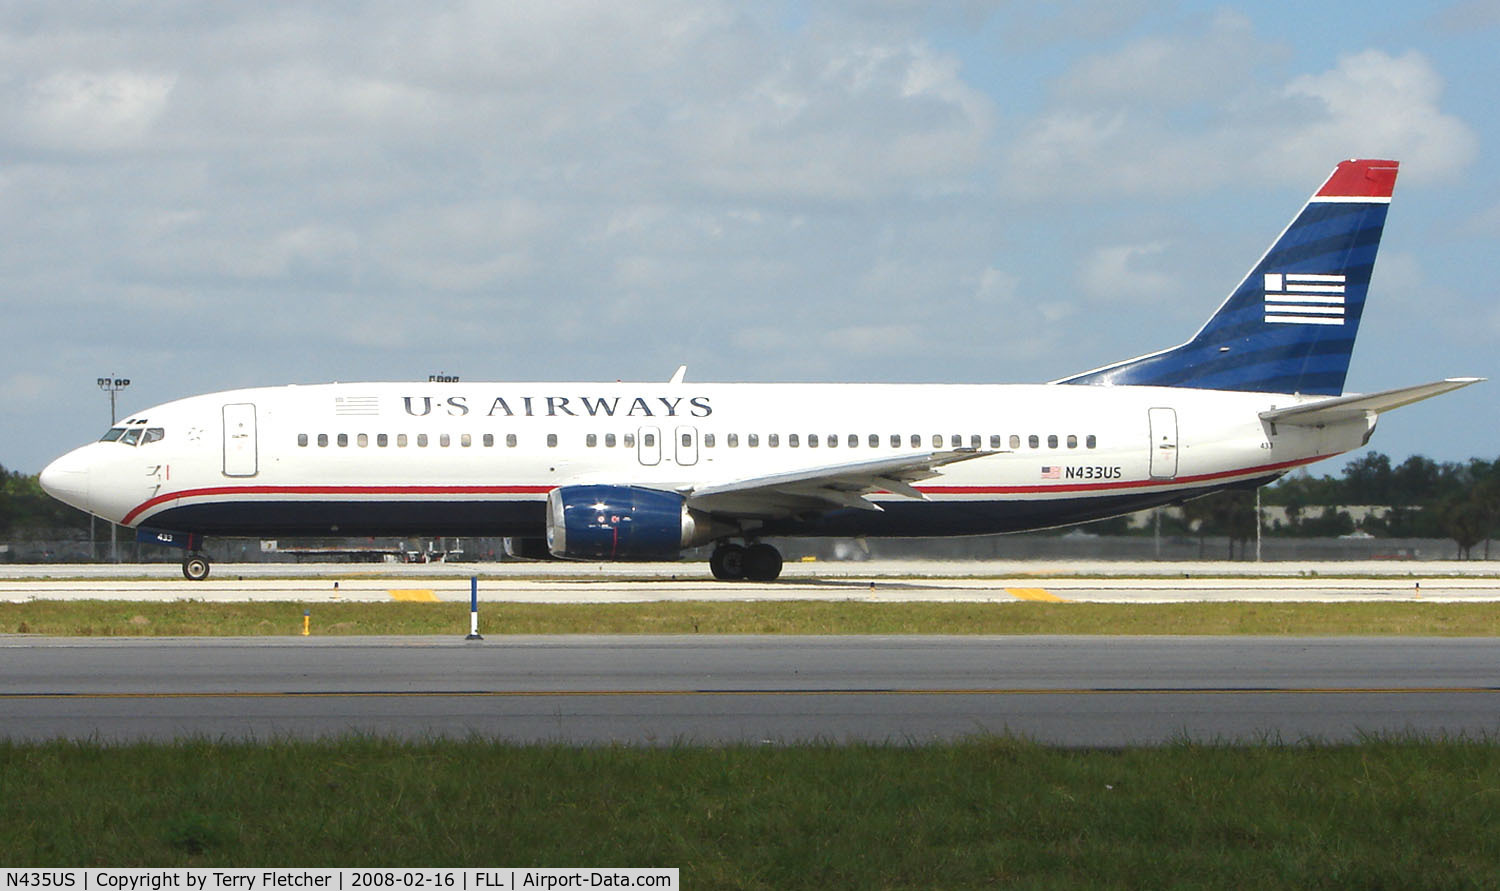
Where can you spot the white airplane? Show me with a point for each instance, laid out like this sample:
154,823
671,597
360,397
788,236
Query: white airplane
640,471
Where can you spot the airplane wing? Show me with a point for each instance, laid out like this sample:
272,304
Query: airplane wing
1344,408
832,487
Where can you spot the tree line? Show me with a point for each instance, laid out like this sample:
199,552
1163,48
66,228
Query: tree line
27,512
1418,498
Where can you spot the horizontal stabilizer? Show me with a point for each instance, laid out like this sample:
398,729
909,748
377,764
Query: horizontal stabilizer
1344,408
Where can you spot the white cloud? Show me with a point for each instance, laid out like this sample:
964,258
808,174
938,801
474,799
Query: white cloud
838,121
1117,126
27,389
92,111
1169,71
1374,104
1121,271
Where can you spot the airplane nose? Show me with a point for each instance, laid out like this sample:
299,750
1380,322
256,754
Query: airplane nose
67,480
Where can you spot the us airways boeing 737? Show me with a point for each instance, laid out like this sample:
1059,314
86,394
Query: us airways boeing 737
641,471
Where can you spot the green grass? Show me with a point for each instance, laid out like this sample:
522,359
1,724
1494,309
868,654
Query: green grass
101,618
978,813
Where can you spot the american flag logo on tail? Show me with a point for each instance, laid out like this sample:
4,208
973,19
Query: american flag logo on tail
1304,299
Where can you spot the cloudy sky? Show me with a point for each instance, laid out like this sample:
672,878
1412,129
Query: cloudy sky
204,196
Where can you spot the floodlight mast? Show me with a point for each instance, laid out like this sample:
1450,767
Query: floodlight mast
113,385
110,385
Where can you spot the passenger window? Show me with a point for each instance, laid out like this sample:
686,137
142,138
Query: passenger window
552,441
466,440
400,440
773,440
1052,441
322,440
343,440
489,440
1015,441
609,440
510,440
1034,441
791,441
444,440
994,440
974,441
957,441
895,440
647,439
421,440
753,440
874,440
382,440
687,440
1072,441
1090,442
363,439
937,440
629,440
916,441
708,440
732,440
112,434
301,439
591,440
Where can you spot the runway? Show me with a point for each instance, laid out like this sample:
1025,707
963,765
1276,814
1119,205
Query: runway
895,581
1074,691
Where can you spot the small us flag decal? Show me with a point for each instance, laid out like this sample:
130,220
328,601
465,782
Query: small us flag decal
1294,298
1051,473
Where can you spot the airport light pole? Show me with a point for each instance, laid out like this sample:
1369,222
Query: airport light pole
110,385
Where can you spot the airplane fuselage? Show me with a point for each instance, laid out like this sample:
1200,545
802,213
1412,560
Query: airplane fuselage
480,458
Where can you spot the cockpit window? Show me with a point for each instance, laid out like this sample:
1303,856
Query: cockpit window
132,436
112,434
153,434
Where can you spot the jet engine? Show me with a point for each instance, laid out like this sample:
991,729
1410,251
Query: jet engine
625,523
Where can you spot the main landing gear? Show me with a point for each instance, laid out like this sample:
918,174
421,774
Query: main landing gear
195,567
758,563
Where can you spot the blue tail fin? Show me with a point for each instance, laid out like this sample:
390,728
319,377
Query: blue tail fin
1289,327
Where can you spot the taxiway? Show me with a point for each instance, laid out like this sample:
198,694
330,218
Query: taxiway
1075,691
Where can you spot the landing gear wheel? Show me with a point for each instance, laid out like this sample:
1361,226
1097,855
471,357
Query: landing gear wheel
728,562
195,567
762,563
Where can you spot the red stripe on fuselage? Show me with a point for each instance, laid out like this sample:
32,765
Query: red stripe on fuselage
1032,489
1121,484
334,490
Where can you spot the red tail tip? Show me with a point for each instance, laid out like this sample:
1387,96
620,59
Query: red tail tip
1361,179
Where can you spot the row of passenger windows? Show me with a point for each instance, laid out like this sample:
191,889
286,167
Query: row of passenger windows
731,440
382,440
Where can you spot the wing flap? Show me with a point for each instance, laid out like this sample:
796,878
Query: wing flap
831,487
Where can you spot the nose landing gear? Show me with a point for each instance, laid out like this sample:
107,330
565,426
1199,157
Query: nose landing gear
759,562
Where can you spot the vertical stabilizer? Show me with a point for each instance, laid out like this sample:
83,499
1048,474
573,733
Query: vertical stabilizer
1290,325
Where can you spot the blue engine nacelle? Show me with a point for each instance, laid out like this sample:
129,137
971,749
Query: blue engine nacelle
624,523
